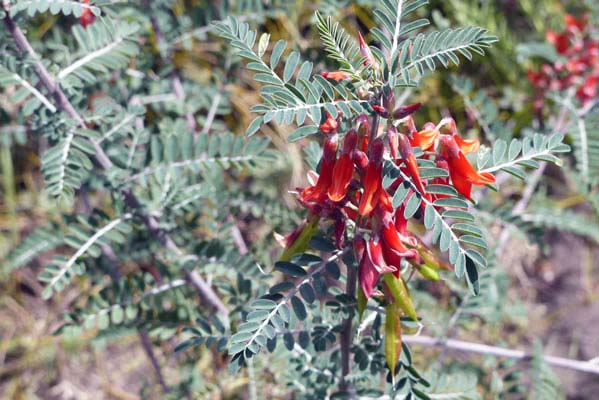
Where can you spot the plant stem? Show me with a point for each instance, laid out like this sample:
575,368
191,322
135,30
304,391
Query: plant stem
147,346
346,336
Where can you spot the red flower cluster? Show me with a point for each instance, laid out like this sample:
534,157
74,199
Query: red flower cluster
580,68
349,188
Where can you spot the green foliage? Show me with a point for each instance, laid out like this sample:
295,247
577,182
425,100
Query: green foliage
287,102
527,152
27,87
164,195
427,50
585,140
340,46
65,7
482,108
123,302
86,239
103,46
548,217
182,152
391,15
456,386
39,241
66,164
272,313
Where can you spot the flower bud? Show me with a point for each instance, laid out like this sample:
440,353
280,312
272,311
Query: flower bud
403,112
360,159
367,53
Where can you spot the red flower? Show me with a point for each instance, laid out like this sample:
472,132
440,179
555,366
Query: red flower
588,90
407,126
538,79
425,139
360,159
382,111
367,274
462,174
318,192
447,126
575,24
467,146
403,112
372,264
401,227
560,41
385,202
336,75
330,124
410,162
394,249
363,132
87,16
372,178
344,168
339,230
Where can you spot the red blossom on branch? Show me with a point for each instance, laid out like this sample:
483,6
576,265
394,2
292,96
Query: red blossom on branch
350,187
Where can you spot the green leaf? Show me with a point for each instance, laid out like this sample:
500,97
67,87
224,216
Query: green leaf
472,276
429,216
412,205
290,65
290,269
298,308
277,51
254,126
400,194
302,132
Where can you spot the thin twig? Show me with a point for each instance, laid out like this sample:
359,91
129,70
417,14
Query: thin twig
253,394
146,344
460,345
238,239
211,113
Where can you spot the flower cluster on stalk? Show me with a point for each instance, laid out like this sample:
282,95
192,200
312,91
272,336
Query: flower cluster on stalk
348,192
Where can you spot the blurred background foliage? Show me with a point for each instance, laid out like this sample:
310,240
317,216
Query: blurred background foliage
540,288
